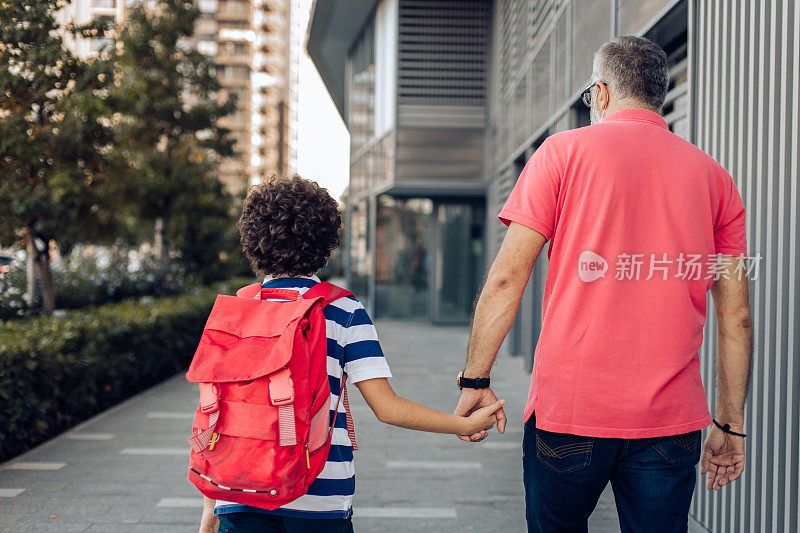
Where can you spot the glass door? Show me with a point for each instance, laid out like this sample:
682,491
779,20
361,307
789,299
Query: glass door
458,235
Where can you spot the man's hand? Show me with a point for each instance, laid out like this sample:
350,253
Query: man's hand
209,522
473,399
723,457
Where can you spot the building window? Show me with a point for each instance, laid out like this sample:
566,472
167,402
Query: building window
360,249
233,73
235,9
106,4
236,49
235,25
362,83
205,26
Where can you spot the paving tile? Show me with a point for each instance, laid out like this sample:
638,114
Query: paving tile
424,489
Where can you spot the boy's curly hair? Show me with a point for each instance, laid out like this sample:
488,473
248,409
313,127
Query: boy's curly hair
289,227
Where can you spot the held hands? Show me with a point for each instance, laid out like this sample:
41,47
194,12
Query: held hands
723,457
484,418
480,403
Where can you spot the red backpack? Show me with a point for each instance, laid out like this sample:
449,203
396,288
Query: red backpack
262,431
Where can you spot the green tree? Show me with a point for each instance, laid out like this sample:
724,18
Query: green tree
166,93
53,133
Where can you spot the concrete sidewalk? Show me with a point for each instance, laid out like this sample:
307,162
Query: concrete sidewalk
125,470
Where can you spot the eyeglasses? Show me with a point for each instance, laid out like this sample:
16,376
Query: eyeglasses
586,95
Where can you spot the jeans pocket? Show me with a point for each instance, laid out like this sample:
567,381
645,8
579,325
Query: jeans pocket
679,449
563,452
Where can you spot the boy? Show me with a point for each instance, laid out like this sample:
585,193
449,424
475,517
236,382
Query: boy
289,227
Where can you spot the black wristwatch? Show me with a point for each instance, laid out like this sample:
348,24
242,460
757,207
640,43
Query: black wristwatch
471,383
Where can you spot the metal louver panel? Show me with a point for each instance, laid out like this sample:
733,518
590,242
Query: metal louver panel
442,55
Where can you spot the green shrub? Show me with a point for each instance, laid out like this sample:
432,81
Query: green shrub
80,280
56,372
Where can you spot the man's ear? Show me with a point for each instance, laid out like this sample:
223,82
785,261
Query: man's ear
603,97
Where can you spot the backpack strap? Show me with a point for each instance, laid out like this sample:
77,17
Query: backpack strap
351,428
327,291
330,292
209,404
250,291
281,394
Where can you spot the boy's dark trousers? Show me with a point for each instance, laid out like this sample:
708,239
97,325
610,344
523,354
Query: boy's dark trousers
653,479
265,523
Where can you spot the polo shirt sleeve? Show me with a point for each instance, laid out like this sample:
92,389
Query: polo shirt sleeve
729,227
363,356
534,198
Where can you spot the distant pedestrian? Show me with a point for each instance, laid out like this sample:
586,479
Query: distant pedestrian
641,225
289,227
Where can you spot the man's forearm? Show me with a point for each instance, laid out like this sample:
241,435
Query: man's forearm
494,314
731,294
734,367
500,296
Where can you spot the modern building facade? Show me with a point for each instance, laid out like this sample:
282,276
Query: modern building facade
447,100
410,80
255,45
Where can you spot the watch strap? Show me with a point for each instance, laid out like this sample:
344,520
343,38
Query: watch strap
473,383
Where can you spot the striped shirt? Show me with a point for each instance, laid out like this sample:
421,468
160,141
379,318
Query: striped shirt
353,348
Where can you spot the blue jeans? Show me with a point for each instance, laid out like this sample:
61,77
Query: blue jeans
245,522
653,479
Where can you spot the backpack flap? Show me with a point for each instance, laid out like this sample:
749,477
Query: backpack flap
245,339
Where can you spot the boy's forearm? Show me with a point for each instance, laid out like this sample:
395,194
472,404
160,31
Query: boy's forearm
409,414
398,411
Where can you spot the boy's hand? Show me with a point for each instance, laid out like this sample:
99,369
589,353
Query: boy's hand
484,418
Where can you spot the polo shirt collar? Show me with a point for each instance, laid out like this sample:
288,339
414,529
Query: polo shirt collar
637,114
294,281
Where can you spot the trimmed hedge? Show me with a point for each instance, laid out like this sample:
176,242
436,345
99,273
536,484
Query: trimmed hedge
56,372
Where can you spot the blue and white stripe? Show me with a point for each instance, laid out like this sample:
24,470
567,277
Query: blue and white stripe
353,347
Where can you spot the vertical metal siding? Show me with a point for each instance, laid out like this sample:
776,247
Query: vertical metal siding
745,74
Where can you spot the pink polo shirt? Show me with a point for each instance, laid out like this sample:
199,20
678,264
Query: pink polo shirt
634,215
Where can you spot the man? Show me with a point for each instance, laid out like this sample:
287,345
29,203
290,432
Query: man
641,225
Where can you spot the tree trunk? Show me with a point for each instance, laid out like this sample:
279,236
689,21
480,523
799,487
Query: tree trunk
48,300
30,259
42,264
158,240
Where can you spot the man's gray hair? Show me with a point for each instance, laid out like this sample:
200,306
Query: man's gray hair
634,67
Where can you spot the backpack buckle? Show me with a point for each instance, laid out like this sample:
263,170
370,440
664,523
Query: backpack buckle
281,389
